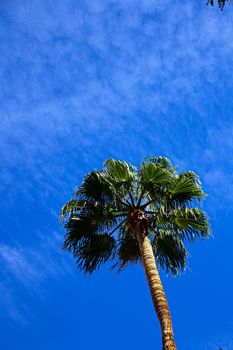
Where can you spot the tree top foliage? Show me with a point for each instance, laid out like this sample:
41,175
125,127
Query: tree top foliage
100,218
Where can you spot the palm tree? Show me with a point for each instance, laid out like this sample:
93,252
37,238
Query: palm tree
127,215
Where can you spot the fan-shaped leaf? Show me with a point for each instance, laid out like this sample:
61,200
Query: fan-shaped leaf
78,230
153,174
128,249
191,223
170,252
95,187
162,162
184,189
71,207
94,252
119,171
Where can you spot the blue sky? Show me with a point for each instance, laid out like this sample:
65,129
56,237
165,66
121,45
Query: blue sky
84,81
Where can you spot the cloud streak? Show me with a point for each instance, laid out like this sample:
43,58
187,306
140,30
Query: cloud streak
88,80
28,269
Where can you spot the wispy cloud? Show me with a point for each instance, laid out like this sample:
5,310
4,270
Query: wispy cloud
28,269
16,263
81,81
70,82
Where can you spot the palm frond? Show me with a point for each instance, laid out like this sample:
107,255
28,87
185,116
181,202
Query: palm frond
91,253
152,174
95,187
71,207
119,171
185,223
153,180
189,175
78,230
190,223
184,190
128,249
170,252
120,176
162,162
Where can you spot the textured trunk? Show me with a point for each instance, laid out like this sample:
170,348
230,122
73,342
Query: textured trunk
156,289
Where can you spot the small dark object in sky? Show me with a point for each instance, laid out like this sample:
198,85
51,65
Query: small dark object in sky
221,3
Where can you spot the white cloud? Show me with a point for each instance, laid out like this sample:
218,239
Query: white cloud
104,78
16,263
218,165
28,269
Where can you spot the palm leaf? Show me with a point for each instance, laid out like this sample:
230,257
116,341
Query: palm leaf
153,181
162,162
184,190
95,187
71,207
170,252
189,175
93,252
153,174
78,230
128,249
186,223
120,176
190,223
119,171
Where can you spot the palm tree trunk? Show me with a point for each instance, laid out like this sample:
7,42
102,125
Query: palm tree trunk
156,289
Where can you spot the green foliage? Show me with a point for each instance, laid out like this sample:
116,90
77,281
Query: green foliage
94,187
190,223
184,189
128,249
96,218
152,174
170,252
93,252
119,172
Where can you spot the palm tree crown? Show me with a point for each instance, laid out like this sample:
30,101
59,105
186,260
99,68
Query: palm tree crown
100,219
